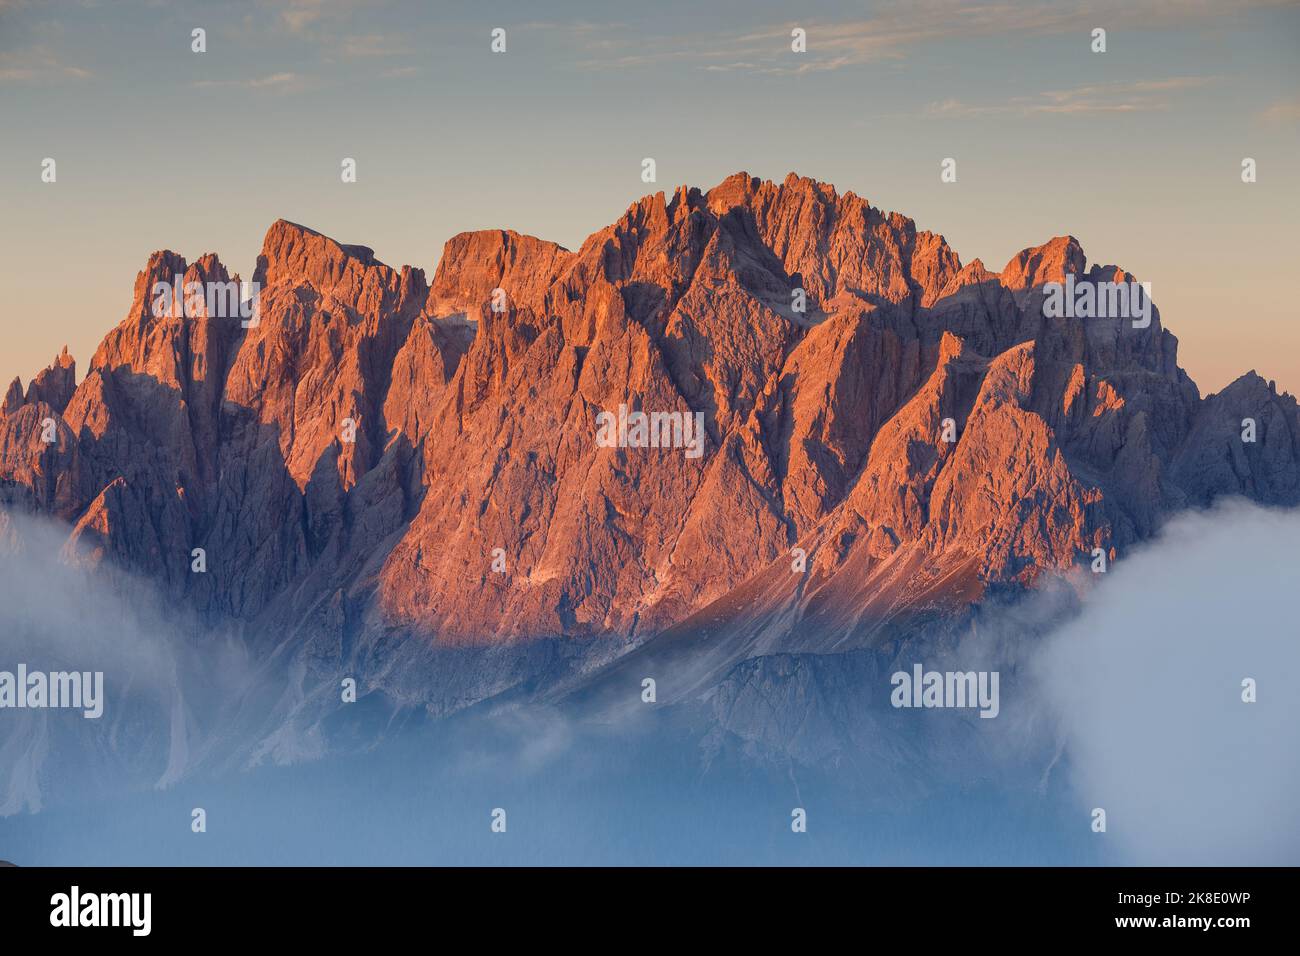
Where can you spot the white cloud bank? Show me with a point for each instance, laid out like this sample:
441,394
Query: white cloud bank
1146,686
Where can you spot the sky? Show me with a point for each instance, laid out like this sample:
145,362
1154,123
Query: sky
1136,151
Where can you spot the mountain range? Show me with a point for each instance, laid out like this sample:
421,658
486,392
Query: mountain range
384,464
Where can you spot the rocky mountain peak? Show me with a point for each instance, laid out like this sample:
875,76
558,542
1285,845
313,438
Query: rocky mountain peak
54,384
1050,262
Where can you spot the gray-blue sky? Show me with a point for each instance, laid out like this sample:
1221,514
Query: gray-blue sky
1136,151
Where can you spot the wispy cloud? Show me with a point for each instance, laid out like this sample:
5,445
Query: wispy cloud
299,15
1281,113
37,63
337,30
375,44
274,82
890,33
1137,97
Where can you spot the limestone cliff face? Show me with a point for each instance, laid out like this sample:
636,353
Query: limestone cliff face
360,463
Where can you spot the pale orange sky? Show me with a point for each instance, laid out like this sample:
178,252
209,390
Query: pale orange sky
1136,151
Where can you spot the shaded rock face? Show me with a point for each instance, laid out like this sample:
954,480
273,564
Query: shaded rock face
53,386
381,459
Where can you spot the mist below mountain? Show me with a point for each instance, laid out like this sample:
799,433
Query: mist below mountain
1130,701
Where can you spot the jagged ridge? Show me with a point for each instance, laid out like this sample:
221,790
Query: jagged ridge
475,430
